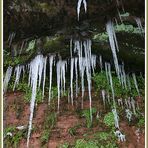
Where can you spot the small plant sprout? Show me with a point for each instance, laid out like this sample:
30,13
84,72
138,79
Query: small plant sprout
120,136
128,114
116,118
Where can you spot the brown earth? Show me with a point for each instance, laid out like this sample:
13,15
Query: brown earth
16,113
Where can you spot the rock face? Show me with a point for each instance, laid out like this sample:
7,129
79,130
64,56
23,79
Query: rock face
46,17
53,22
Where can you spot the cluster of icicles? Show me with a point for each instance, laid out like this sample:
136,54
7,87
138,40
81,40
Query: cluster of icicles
82,65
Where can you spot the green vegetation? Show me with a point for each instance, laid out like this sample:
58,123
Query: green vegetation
49,123
45,136
72,130
127,28
65,145
28,94
141,122
31,45
12,136
86,114
100,82
109,119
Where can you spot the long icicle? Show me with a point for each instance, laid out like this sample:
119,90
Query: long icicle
17,71
34,72
71,79
113,45
79,7
116,118
51,58
7,78
44,76
61,66
76,74
58,82
135,83
87,50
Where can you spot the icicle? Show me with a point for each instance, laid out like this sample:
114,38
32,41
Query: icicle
108,98
51,60
23,70
124,76
139,24
71,48
71,80
11,37
120,136
29,79
114,45
63,70
119,15
126,103
133,105
41,68
76,73
128,114
82,79
7,78
117,1
128,81
111,84
129,103
103,96
120,102
17,71
78,49
106,71
22,47
44,76
121,76
79,7
87,51
93,63
115,20
58,82
101,64
135,82
61,65
116,118
34,73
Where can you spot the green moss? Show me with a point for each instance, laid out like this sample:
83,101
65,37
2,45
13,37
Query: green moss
101,37
86,114
55,44
31,45
47,8
109,119
127,28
